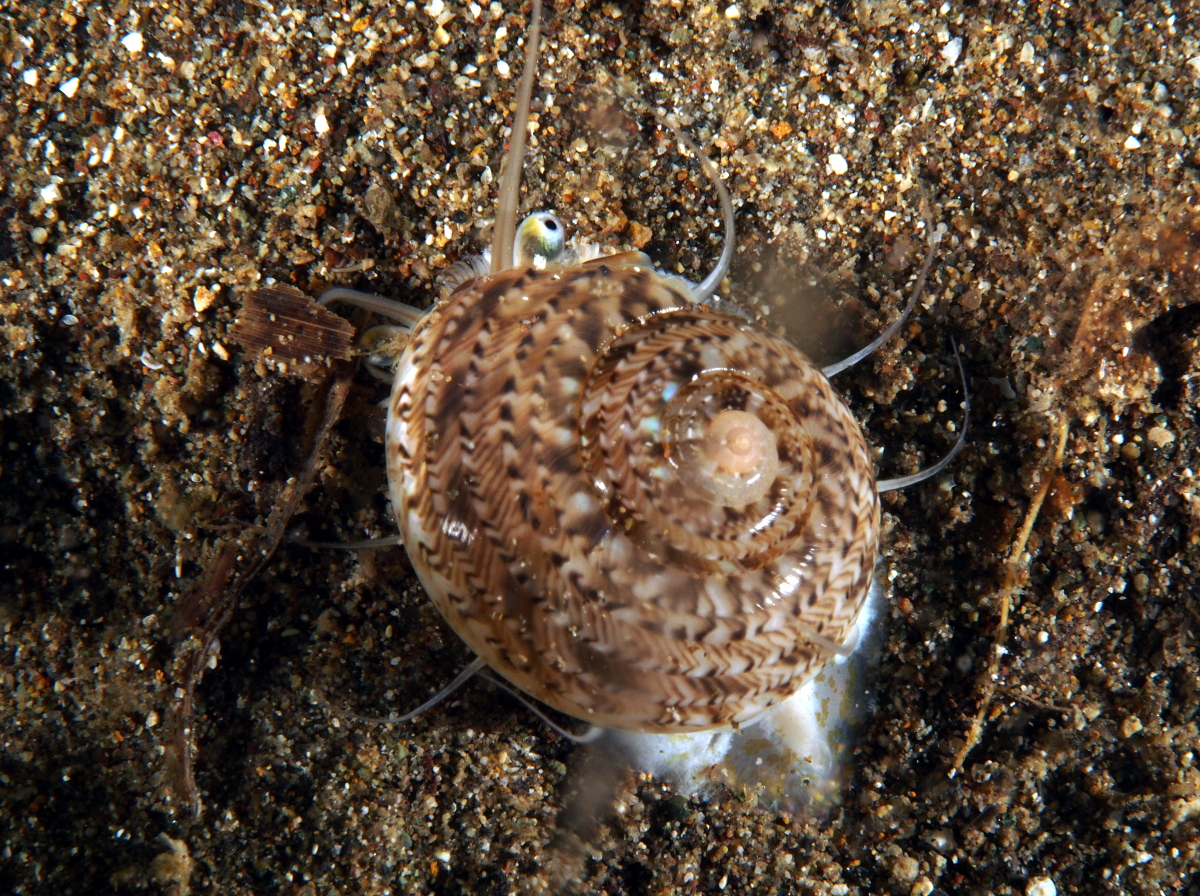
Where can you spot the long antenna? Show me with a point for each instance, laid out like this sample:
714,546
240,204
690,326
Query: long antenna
505,230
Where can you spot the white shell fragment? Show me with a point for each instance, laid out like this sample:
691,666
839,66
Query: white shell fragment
952,50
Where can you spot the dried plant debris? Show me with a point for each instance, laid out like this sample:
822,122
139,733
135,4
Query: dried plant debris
1012,580
170,872
205,610
284,324
1151,271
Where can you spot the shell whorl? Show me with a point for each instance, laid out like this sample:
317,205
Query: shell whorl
550,449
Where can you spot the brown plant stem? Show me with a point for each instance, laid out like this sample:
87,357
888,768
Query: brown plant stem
1013,580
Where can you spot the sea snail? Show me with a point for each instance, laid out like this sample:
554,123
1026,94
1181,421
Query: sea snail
641,511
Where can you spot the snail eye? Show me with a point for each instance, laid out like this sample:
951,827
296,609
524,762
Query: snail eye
540,241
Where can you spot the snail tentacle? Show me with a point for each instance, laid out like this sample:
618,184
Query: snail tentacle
833,648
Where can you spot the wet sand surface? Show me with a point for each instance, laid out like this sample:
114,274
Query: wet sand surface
1036,724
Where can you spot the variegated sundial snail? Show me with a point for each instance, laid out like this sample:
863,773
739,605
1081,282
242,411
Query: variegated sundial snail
639,510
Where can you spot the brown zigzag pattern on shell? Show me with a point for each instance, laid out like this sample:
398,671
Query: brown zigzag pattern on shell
536,492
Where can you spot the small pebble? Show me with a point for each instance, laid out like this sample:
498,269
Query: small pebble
203,298
1041,886
837,163
69,87
1160,436
952,50
905,868
133,42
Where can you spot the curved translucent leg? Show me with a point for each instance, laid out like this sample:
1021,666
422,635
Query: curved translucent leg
387,541
405,315
868,350
592,732
888,485
833,648
708,286
459,680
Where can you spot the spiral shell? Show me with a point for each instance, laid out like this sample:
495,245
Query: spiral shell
642,512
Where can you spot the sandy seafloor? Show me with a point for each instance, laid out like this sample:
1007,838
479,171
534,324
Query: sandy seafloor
160,160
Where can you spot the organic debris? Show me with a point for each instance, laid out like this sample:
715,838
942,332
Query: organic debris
205,610
1016,576
283,323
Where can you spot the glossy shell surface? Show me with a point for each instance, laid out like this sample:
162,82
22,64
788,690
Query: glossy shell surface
540,479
